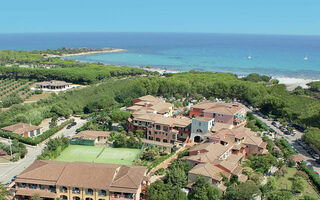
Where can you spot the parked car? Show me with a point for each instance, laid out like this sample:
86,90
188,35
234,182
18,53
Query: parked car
73,123
274,123
69,126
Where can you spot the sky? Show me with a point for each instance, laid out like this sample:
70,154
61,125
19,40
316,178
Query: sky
289,17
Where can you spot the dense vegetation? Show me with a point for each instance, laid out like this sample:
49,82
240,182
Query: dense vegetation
54,148
65,51
273,100
18,149
38,67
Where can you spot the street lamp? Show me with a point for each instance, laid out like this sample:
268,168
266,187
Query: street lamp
10,143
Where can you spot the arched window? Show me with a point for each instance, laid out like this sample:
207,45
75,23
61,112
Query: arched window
75,190
89,191
63,197
75,198
165,141
102,193
63,189
199,130
158,139
88,198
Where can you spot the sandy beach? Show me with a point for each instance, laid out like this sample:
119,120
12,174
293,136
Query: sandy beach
90,52
292,83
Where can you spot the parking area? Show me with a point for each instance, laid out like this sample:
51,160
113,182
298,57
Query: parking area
294,138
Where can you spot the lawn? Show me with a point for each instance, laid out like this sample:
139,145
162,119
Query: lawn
99,154
285,183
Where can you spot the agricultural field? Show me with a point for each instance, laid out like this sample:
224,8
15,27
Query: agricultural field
15,91
99,154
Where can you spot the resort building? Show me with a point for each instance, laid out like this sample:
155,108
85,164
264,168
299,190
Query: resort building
79,180
22,129
201,128
222,154
151,104
228,113
90,138
160,128
53,85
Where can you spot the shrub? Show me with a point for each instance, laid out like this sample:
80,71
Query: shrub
312,175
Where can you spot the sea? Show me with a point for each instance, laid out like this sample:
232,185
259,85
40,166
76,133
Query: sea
274,55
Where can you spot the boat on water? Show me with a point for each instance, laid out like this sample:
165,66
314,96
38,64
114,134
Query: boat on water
249,57
305,58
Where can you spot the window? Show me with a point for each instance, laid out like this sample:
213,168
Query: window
52,188
199,123
102,193
75,190
89,192
165,128
42,187
158,127
149,132
174,136
22,185
63,189
32,186
128,195
88,198
31,133
63,197
158,139
75,198
165,141
38,131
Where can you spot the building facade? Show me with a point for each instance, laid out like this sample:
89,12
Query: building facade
23,129
228,113
201,128
78,180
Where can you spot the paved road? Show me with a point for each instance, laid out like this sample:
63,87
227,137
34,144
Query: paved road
292,140
9,170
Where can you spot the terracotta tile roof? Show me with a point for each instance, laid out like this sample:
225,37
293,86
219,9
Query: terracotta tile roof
151,103
242,178
91,135
215,150
219,107
160,119
297,158
85,175
209,170
20,128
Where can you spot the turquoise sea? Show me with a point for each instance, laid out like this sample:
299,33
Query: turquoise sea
276,55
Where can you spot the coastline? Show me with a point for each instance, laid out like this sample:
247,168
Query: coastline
290,82
111,50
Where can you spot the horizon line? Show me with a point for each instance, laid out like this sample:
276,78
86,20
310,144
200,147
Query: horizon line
161,32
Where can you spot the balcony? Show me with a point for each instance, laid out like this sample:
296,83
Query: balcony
121,196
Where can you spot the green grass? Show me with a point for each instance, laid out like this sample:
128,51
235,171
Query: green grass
123,156
285,183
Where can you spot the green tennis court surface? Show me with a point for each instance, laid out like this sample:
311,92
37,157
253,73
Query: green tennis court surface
99,154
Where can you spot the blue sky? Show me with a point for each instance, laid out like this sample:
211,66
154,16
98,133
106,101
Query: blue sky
298,17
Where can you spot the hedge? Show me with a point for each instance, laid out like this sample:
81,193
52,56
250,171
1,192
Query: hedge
312,175
34,141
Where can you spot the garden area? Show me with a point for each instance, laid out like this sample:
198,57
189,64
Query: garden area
295,180
99,154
